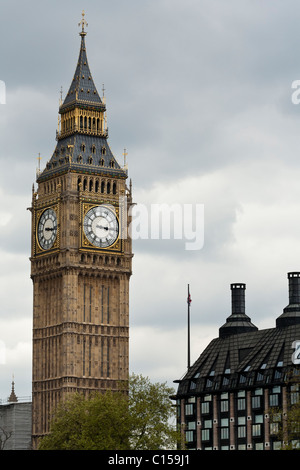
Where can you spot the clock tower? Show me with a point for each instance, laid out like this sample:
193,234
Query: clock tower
81,257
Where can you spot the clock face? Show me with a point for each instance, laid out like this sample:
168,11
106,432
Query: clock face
101,226
47,229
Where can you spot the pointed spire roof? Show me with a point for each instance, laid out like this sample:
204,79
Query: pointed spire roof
82,141
13,397
82,90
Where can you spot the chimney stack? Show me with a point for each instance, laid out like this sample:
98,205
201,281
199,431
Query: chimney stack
238,322
237,298
291,313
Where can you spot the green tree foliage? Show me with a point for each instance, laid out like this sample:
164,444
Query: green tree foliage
152,415
285,426
139,418
100,422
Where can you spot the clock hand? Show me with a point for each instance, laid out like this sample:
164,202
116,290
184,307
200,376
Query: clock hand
101,226
49,229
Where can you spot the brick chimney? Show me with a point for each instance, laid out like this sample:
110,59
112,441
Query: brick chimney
238,322
291,313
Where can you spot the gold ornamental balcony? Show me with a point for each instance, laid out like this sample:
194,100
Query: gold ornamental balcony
75,129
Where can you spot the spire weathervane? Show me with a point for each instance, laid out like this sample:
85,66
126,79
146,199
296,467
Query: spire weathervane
83,23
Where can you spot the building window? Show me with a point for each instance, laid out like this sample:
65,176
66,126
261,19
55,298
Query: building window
294,396
256,403
258,419
205,435
259,446
241,404
224,433
191,425
256,430
205,407
189,436
274,428
192,385
189,409
274,400
241,432
224,406
209,383
274,396
207,423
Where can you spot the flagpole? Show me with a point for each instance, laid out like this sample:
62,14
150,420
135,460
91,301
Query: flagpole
188,345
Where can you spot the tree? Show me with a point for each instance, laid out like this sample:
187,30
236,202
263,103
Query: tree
152,414
100,422
285,425
138,416
4,436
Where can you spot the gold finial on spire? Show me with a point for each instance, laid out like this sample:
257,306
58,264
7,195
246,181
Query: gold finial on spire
125,155
83,23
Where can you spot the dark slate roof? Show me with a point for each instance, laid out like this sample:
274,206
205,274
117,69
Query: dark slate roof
242,354
69,156
82,90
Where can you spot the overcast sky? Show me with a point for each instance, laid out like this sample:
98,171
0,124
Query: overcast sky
199,93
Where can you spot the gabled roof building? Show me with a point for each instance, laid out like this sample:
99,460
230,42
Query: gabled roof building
225,399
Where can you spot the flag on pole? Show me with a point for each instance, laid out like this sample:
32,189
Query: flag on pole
189,299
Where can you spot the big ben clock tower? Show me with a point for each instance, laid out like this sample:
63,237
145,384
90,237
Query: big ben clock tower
81,257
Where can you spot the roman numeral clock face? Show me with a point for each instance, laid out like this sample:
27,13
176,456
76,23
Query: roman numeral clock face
47,229
101,226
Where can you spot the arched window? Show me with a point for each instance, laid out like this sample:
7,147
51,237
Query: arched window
78,184
102,186
91,185
84,184
114,188
108,188
102,162
81,122
97,186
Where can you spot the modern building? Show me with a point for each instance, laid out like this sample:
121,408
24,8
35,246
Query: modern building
81,256
227,398
15,422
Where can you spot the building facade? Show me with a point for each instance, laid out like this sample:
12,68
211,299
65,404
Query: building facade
229,397
81,257
15,423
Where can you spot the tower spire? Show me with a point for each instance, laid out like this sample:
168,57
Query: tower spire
12,398
83,23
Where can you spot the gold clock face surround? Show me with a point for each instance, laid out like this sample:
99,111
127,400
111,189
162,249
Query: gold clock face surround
47,229
101,226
